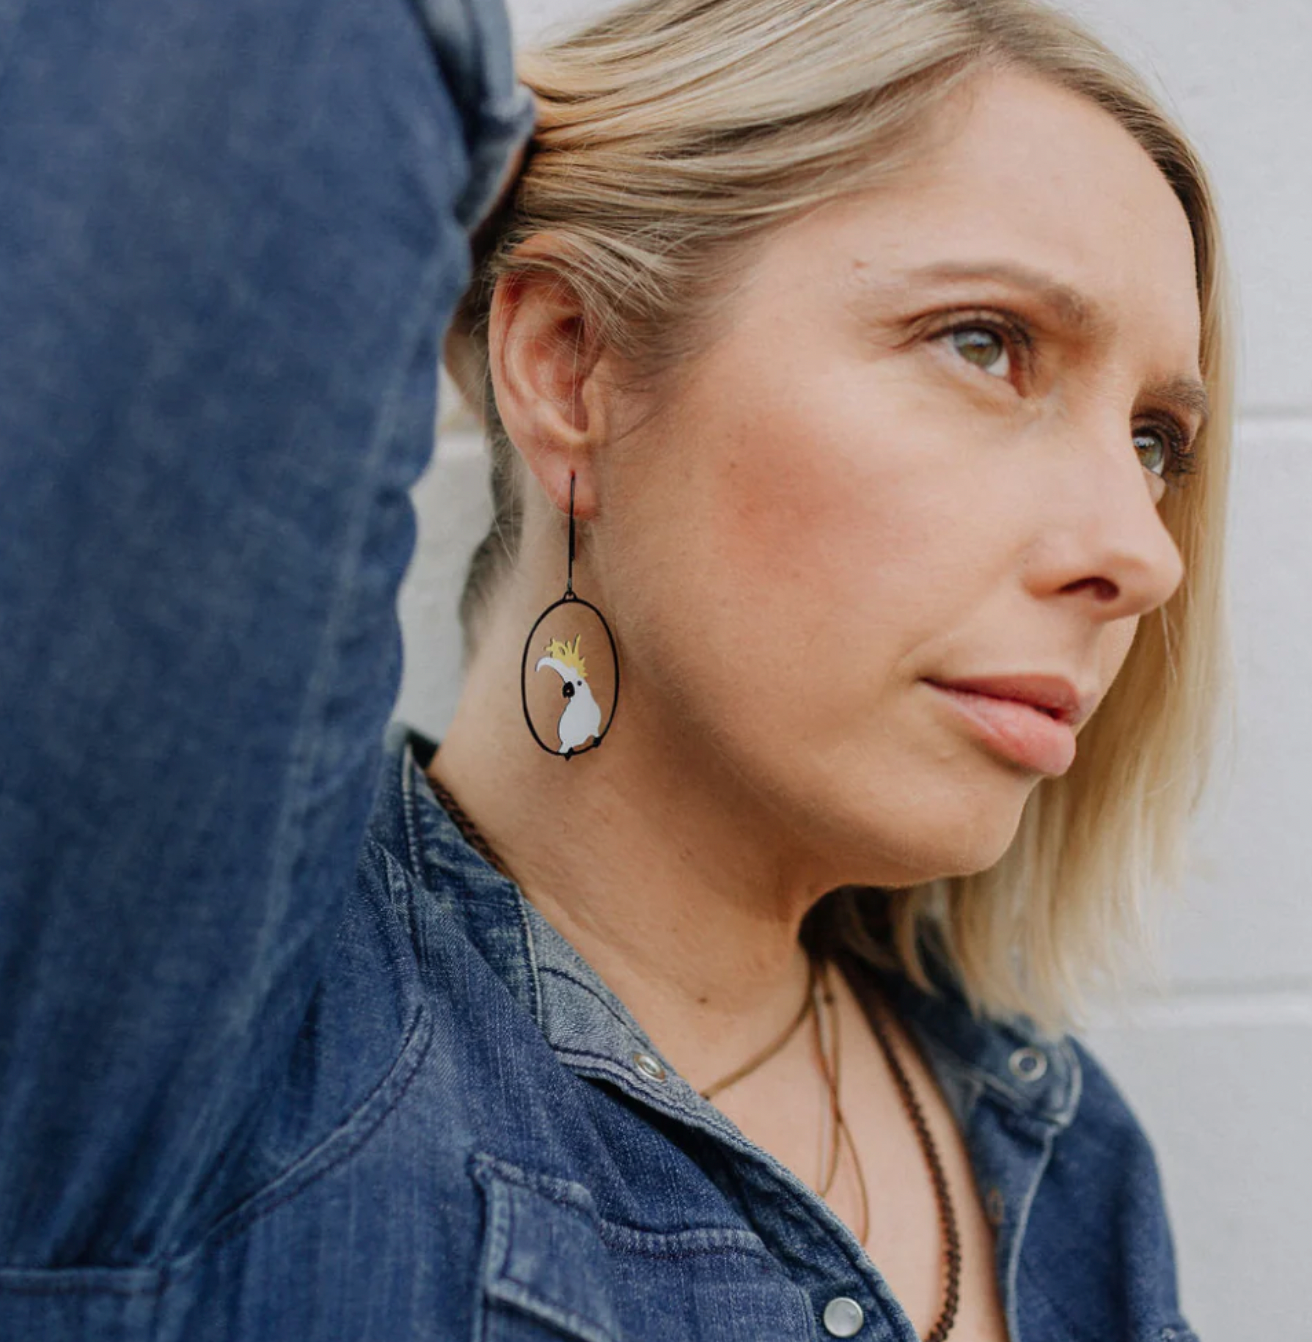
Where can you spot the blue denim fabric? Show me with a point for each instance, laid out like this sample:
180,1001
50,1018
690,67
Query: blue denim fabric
460,1144
272,1065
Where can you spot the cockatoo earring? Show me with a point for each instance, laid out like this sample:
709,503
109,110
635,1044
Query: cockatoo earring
575,702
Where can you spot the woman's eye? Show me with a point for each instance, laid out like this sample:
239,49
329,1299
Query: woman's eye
1154,448
984,348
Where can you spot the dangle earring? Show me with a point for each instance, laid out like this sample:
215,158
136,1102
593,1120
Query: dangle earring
572,703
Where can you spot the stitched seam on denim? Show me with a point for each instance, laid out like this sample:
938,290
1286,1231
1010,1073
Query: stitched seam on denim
1018,1099
493,1249
411,803
535,973
708,1119
702,1239
566,1321
434,867
1077,1084
499,1179
156,1287
386,920
495,1244
617,1071
547,1308
614,1067
1018,1238
303,1173
660,1095
1031,1107
398,1077
408,767
396,882
617,1237
835,1236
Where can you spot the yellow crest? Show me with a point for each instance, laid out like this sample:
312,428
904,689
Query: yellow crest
569,654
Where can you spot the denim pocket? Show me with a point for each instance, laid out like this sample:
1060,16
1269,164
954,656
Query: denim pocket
553,1267
334,1150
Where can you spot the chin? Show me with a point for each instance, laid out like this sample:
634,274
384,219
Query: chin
956,836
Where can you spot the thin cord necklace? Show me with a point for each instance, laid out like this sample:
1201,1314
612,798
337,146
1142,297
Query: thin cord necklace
819,993
769,1051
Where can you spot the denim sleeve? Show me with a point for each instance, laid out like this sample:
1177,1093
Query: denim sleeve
471,40
230,237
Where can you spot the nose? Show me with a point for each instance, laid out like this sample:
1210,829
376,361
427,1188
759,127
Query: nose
1103,539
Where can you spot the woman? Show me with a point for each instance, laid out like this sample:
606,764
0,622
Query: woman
847,368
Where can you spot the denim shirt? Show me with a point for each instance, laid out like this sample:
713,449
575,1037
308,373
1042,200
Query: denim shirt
472,1138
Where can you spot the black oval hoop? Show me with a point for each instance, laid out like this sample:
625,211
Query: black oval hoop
568,599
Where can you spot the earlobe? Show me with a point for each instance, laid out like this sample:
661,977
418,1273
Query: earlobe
541,359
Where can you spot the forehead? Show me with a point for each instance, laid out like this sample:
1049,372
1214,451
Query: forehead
1020,173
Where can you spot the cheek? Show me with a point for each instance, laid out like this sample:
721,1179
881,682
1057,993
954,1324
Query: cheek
809,510
1118,639
792,550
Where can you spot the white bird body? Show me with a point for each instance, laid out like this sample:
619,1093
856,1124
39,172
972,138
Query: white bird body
581,720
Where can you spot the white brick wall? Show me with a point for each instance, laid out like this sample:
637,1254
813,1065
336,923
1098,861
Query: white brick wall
1218,1061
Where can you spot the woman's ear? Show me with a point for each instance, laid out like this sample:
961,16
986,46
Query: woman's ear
547,378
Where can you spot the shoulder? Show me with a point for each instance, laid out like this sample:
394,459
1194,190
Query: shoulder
1097,1257
1041,1113
1084,1242
1105,1151
1105,1115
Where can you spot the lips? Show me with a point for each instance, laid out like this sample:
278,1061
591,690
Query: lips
1053,695
1027,720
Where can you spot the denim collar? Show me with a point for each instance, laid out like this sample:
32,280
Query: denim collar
591,1030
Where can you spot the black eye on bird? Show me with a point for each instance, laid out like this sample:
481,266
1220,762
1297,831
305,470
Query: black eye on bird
567,690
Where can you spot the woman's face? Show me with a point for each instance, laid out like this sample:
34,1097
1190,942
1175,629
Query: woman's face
929,447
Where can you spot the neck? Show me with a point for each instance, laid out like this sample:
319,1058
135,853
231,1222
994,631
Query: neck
685,895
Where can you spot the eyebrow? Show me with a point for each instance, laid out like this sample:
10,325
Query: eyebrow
1186,393
1076,311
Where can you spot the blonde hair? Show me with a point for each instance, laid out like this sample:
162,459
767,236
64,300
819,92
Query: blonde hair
671,133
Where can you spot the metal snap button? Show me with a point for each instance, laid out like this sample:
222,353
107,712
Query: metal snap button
649,1066
1028,1064
995,1206
843,1317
